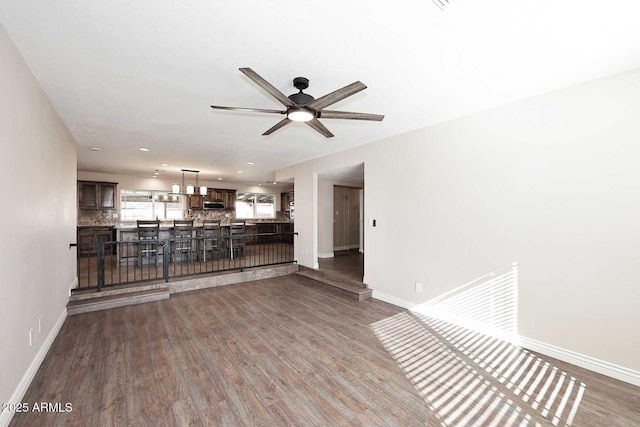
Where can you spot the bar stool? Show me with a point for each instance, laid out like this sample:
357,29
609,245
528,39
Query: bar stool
211,238
148,230
182,239
237,244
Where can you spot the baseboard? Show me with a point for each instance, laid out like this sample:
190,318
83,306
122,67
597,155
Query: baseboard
23,385
325,255
600,366
346,248
73,285
393,300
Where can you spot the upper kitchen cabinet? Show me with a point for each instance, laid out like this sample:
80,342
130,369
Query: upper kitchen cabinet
97,195
225,196
287,201
195,201
230,199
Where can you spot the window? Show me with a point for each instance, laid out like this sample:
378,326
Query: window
145,204
250,205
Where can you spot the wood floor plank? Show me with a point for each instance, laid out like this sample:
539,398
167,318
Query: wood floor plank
143,403
291,351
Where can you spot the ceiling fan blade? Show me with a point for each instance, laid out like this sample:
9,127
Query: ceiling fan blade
267,87
326,114
335,96
282,123
256,110
315,124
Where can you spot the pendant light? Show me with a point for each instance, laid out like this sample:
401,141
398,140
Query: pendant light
189,189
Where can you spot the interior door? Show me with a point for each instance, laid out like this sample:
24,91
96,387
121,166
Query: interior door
346,218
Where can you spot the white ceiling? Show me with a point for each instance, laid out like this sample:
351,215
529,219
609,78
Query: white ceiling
131,74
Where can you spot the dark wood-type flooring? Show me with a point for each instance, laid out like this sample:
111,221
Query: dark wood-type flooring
349,264
291,351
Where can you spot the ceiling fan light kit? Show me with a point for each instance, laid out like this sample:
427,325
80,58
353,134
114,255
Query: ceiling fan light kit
298,114
302,107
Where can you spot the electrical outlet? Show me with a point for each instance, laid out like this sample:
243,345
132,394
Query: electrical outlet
30,337
418,287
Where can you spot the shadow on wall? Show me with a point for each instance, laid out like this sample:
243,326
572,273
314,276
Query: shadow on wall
468,377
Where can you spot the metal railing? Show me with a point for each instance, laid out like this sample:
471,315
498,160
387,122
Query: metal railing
108,264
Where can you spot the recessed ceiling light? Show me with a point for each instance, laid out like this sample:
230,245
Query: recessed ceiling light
95,148
219,179
144,149
154,176
164,164
274,183
239,171
259,184
250,163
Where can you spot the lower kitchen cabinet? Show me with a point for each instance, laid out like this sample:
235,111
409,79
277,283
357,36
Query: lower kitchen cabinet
95,234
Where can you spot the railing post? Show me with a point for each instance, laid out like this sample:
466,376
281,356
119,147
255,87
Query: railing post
165,260
100,266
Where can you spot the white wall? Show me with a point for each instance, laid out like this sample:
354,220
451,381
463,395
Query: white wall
325,218
38,172
549,182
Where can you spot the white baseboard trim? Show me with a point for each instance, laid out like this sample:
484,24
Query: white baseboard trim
325,255
73,285
23,385
393,300
600,366
346,248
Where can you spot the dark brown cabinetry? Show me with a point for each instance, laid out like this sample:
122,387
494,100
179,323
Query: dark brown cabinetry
94,234
230,199
225,196
278,228
286,201
97,195
194,202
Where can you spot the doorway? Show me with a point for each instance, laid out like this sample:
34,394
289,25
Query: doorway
340,221
346,220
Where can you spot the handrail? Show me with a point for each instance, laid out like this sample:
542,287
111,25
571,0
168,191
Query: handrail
119,262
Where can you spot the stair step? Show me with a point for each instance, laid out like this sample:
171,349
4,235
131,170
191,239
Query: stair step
118,290
361,293
103,302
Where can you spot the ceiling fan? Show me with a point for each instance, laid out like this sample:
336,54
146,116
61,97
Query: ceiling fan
302,107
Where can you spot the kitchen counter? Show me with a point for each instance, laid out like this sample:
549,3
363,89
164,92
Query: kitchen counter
168,225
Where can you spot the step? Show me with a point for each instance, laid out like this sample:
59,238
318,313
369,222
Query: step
356,290
103,302
79,294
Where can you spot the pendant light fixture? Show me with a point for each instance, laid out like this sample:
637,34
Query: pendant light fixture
189,189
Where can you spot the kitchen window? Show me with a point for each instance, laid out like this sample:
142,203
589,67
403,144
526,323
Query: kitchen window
145,204
254,205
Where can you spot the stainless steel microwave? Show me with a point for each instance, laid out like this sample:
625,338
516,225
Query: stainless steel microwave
213,205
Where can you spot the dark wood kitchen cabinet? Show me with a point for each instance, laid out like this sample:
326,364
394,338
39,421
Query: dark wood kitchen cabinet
97,195
230,199
195,201
94,234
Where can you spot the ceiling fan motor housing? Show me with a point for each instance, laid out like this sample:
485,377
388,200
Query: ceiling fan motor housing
301,98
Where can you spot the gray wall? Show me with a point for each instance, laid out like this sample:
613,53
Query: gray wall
38,175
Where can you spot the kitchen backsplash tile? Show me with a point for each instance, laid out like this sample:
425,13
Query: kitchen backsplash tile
98,216
106,216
